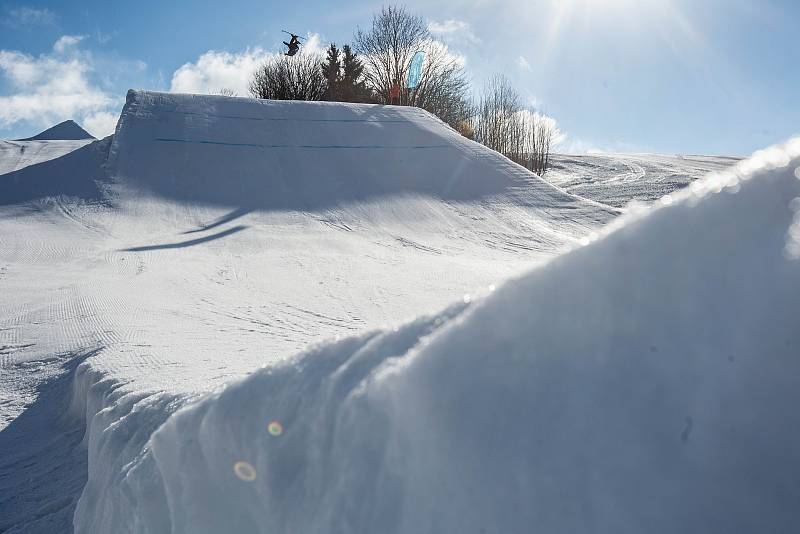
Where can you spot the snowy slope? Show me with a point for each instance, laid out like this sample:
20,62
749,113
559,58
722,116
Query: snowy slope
617,179
16,155
214,235
52,143
644,383
257,227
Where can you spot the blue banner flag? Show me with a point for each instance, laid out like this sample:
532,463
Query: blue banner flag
415,70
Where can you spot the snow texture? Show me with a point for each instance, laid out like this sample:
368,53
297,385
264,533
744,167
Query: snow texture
77,173
643,383
211,236
16,155
618,179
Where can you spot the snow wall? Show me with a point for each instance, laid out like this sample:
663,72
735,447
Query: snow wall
269,154
645,382
285,155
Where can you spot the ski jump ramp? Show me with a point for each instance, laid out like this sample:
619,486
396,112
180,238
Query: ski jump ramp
311,156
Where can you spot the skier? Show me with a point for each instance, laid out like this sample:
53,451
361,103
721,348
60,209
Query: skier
293,44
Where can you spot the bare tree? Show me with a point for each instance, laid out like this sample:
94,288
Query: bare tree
503,124
225,91
386,50
537,134
443,88
290,78
495,119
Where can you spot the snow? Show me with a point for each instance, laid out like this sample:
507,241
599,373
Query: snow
236,236
16,155
153,274
49,174
170,268
644,382
618,179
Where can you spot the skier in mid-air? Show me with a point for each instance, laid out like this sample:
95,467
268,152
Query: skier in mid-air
293,44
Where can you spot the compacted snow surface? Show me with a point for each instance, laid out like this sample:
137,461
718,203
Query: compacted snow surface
159,289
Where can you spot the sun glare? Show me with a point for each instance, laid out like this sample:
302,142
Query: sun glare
630,20
626,4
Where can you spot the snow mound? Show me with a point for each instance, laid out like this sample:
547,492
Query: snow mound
288,155
645,382
65,131
15,155
79,173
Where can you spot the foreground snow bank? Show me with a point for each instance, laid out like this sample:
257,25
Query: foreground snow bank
646,382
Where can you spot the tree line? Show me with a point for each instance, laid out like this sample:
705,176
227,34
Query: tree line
375,70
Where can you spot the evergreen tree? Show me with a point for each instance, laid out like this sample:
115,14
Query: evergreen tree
332,70
353,88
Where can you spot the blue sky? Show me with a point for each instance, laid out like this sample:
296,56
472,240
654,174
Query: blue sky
671,76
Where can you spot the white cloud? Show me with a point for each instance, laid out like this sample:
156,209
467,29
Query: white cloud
217,70
313,44
104,38
571,145
50,88
453,30
535,117
523,64
65,42
28,16
101,124
438,52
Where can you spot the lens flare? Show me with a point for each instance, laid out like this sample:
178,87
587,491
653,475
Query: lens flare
244,471
275,428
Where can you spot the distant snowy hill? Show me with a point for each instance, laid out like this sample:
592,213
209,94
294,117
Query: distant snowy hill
48,145
152,275
68,130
